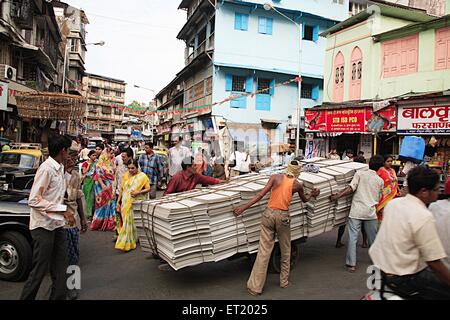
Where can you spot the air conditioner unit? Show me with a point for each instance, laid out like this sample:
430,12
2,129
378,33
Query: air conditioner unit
8,72
178,87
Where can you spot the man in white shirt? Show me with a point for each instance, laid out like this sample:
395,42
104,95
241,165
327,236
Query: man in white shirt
242,159
441,213
367,188
176,155
47,219
408,250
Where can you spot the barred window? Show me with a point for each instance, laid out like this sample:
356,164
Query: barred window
306,91
238,84
263,84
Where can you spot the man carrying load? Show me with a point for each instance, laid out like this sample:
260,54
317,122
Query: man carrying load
276,219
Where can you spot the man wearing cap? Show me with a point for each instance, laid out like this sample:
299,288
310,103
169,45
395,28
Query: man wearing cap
441,213
276,219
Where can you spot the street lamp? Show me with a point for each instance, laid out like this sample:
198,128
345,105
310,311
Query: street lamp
268,6
139,87
100,43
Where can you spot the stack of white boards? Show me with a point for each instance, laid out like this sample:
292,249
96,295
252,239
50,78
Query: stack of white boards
198,226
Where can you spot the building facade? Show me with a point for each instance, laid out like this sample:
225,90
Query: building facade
386,75
241,65
72,23
432,7
106,100
30,59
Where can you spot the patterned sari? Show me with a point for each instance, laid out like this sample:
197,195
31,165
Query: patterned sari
105,202
127,238
88,189
390,189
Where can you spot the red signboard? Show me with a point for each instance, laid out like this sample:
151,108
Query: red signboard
351,120
346,120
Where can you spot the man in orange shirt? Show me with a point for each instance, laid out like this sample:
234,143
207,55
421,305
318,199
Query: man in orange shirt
276,219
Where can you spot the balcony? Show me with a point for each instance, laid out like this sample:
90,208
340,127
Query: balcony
22,13
206,45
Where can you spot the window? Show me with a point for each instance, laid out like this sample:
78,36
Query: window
266,89
306,91
263,85
106,110
74,45
241,21
400,56
118,94
94,89
339,73
356,74
442,51
107,92
238,84
310,33
265,25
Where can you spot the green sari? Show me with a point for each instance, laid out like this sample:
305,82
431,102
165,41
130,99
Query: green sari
88,190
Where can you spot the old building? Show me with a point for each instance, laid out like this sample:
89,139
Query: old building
432,7
72,23
240,49
30,59
104,111
386,75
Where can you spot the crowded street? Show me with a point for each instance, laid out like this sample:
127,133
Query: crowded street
257,150
109,274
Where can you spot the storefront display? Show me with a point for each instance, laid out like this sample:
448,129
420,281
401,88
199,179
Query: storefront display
357,128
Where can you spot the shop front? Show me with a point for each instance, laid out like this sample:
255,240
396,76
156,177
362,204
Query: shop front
429,119
351,128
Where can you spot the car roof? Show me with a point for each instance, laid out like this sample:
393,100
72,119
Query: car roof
32,152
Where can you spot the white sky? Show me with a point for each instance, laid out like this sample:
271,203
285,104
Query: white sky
141,46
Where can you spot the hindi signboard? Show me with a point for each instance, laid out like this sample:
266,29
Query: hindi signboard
424,120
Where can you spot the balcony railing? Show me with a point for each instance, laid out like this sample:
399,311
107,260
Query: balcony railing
207,44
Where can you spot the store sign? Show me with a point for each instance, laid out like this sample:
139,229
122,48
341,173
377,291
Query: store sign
423,120
351,120
3,96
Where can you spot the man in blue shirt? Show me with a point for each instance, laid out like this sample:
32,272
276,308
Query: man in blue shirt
151,164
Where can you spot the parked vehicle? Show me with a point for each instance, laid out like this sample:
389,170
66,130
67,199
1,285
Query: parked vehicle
18,167
15,238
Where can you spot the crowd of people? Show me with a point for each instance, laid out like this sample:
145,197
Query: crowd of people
411,250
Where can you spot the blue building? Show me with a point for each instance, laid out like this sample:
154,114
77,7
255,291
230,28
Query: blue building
239,49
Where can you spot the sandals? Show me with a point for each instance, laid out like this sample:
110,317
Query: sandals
351,269
253,293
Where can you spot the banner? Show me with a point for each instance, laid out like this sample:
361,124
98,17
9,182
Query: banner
351,120
424,120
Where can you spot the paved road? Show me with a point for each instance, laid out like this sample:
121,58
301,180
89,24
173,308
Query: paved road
110,274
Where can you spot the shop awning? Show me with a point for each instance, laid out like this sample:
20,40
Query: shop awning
270,123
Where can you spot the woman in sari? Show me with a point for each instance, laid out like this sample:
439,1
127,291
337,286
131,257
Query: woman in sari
88,170
105,203
390,190
135,186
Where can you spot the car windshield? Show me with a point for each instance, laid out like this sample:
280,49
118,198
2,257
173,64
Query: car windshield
25,161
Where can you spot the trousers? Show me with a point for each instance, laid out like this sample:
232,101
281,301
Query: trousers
49,249
424,285
273,223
